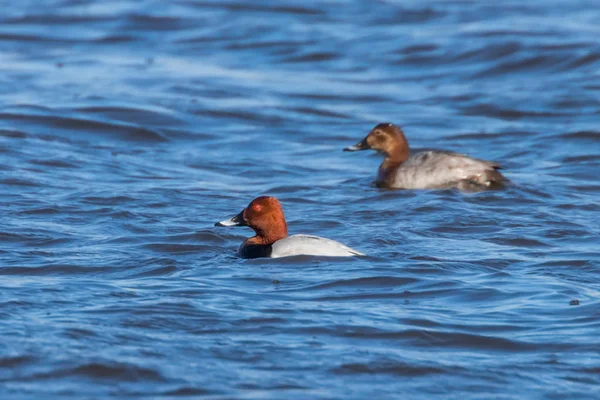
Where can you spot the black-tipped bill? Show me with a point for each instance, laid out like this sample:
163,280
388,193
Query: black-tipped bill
238,220
362,145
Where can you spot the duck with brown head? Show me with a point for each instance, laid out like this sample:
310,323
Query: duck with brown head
265,216
434,169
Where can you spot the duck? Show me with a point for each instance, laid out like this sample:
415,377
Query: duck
431,169
265,216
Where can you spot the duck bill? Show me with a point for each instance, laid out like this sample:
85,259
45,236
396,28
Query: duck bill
238,220
362,145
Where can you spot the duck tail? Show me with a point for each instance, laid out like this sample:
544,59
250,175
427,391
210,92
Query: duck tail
494,178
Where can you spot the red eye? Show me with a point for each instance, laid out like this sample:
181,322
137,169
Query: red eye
257,207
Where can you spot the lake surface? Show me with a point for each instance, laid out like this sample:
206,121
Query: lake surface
128,128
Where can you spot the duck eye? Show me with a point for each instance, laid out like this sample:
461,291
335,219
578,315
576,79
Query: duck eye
257,207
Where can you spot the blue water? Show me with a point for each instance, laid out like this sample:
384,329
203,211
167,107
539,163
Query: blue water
128,128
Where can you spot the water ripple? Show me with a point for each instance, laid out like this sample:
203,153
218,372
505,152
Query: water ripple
127,130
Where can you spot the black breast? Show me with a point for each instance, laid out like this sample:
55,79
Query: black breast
256,251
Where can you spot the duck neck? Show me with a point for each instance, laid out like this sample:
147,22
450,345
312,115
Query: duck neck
270,236
393,159
395,156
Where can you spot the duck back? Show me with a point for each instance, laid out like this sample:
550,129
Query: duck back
438,169
310,245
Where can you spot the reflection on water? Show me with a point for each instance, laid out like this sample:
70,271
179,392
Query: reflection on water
128,128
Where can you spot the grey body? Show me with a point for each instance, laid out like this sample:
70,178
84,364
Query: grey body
437,169
311,245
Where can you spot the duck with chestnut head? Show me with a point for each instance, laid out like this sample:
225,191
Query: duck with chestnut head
265,216
432,169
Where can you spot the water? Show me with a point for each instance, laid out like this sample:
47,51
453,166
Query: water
128,128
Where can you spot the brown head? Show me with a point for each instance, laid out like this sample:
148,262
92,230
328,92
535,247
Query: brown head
386,138
265,216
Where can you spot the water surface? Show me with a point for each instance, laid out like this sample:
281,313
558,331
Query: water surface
128,128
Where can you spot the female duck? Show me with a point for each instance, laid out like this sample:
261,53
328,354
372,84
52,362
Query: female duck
436,169
265,216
